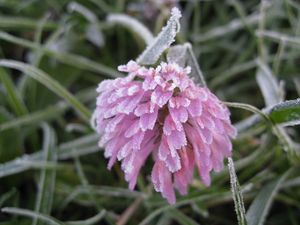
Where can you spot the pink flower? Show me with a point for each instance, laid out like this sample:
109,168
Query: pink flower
162,112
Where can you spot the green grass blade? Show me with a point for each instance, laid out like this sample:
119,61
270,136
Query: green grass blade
13,95
181,218
90,221
132,24
77,61
232,26
82,146
187,201
47,177
50,83
261,205
294,41
47,114
31,214
16,23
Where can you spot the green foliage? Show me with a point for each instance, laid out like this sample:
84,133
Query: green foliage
54,53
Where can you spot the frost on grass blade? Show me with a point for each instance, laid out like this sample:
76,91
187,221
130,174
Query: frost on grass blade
236,194
260,207
177,54
183,55
269,86
132,24
164,39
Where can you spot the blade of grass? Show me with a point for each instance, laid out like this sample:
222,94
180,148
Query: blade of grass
268,84
47,177
181,218
232,26
295,41
183,55
93,220
77,61
132,24
85,184
200,198
237,195
260,207
162,41
31,214
17,23
13,95
47,114
50,83
192,62
83,146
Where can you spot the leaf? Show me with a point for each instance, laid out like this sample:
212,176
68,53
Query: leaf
132,24
163,40
50,83
287,112
260,206
47,177
237,195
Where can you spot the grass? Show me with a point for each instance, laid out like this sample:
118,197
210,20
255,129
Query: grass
54,53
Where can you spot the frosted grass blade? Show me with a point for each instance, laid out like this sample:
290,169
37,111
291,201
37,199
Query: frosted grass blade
163,40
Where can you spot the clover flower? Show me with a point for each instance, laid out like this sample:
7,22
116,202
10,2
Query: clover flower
162,112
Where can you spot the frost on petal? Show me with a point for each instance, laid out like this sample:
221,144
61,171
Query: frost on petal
170,125
178,101
176,139
195,108
148,120
139,160
160,97
179,115
132,129
183,177
172,162
164,149
162,181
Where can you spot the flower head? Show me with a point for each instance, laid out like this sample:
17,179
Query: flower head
162,112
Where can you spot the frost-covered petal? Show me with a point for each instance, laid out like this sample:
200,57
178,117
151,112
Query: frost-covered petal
160,97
